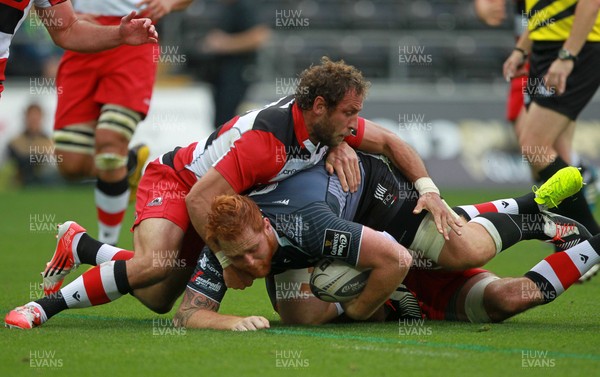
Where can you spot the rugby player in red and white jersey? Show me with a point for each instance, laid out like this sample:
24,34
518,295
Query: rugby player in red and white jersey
102,99
176,191
69,32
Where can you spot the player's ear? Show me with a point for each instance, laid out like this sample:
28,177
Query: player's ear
319,105
266,223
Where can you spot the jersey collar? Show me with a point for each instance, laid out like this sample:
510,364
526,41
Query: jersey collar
299,126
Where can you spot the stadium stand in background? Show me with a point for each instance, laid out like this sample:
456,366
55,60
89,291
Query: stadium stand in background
366,33
436,71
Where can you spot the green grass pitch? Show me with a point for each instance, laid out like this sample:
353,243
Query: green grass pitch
125,339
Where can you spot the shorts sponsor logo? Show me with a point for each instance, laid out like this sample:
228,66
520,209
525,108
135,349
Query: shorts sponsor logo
155,202
337,243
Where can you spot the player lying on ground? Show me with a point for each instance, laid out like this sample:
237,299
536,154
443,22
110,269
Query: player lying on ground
302,205
304,227
176,191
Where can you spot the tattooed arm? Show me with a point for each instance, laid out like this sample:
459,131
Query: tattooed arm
200,312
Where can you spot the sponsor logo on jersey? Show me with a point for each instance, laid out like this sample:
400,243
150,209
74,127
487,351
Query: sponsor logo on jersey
285,202
203,262
387,198
380,192
208,285
264,189
155,202
337,243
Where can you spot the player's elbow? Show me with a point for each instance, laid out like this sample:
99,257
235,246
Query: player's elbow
179,319
182,317
60,38
192,201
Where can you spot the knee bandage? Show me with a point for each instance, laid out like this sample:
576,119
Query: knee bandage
109,161
77,138
474,308
428,241
119,119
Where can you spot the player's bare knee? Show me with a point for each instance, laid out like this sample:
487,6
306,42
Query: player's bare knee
154,302
71,167
146,270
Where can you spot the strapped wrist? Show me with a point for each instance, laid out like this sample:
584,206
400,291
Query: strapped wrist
425,185
223,260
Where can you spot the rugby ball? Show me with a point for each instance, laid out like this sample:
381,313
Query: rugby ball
335,281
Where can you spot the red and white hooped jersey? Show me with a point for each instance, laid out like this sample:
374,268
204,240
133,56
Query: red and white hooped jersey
260,147
106,7
12,15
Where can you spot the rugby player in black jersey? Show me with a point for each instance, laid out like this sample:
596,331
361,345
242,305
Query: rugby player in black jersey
306,216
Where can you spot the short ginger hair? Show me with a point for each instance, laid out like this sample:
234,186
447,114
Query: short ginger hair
330,80
229,216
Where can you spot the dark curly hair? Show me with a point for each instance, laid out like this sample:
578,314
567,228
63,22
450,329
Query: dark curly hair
330,80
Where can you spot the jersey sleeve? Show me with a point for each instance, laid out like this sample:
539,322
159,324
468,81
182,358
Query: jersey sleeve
325,235
355,140
207,278
255,158
47,3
